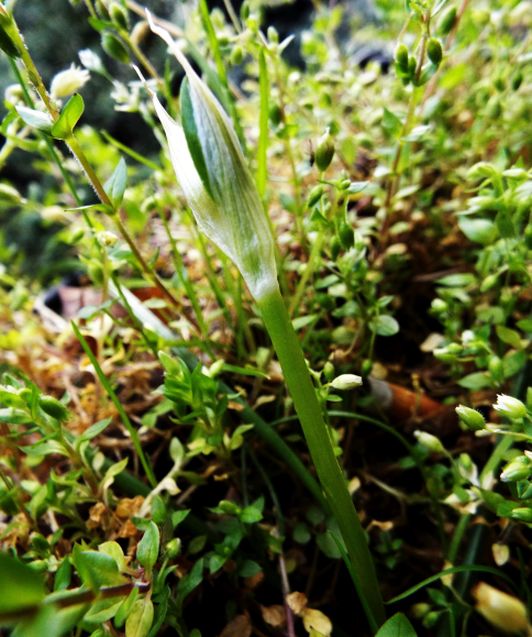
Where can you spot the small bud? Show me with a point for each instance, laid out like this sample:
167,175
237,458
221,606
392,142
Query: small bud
401,56
114,47
519,468
489,282
412,65
346,235
471,418
346,381
276,114
53,408
447,21
435,51
69,81
429,441
328,370
517,80
237,55
6,43
503,611
523,514
495,368
315,195
438,306
324,151
273,36
509,406
173,548
119,15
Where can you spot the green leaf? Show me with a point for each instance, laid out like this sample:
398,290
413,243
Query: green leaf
479,230
20,586
508,336
384,325
397,626
125,608
102,610
69,117
116,184
391,123
114,550
148,547
35,119
96,569
457,280
474,381
189,582
139,622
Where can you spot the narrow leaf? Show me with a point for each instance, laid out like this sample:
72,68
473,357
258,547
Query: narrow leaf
116,185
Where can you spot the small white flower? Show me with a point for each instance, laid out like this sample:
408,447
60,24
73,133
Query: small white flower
509,406
69,81
91,61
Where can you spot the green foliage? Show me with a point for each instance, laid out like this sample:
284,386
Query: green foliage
151,460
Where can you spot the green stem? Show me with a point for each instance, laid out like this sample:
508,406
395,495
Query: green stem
297,377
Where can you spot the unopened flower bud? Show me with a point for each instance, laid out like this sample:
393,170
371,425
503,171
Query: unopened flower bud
324,151
315,195
119,15
237,55
435,51
503,611
173,548
114,47
6,43
447,21
519,468
429,441
522,514
328,370
401,56
216,180
69,81
471,418
509,406
346,381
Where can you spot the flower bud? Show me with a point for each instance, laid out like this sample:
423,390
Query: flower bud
69,81
6,43
328,370
519,468
523,514
114,47
324,151
119,15
237,55
509,406
315,195
173,548
401,56
435,51
471,418
429,441
447,21
216,180
346,381
503,611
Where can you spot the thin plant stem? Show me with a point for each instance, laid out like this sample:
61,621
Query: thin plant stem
297,377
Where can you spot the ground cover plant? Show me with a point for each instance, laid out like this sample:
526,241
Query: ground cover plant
285,388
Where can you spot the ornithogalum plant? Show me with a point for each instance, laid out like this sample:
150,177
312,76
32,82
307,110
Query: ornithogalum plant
218,186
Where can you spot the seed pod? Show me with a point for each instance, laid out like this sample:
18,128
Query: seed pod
324,151
447,21
114,47
435,51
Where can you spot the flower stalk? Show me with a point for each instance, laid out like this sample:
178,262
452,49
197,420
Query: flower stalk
218,186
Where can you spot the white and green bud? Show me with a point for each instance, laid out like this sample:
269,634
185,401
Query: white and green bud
429,441
347,381
509,406
324,151
215,178
519,468
471,418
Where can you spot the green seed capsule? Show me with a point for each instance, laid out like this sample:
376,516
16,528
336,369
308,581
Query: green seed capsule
53,408
435,51
114,47
447,21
